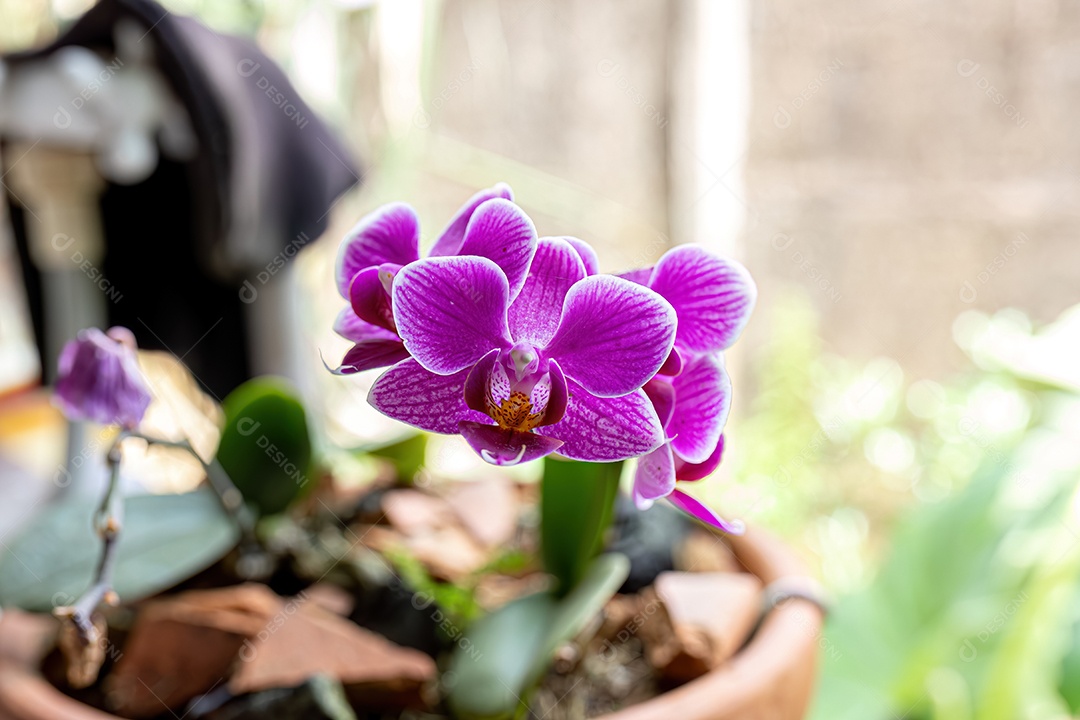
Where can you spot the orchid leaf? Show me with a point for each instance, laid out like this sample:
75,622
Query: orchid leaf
504,655
265,445
576,505
164,539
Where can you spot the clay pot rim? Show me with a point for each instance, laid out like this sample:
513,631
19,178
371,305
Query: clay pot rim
776,666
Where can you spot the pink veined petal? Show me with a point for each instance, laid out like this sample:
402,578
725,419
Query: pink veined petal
713,296
506,447
369,299
535,314
371,354
597,429
613,335
702,402
501,231
391,234
640,276
654,477
451,311
662,395
556,404
673,365
449,242
351,327
696,509
412,395
588,256
691,472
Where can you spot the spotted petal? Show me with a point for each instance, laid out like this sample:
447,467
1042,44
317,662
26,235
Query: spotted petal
409,393
534,315
391,234
501,231
506,447
654,477
598,429
713,296
449,242
451,311
613,335
702,402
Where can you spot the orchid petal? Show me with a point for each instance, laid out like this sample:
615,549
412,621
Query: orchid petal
371,354
597,429
476,384
391,234
654,477
613,335
640,276
662,396
713,296
451,311
501,231
534,315
557,400
369,299
673,365
588,256
691,472
506,447
449,242
409,393
702,402
351,327
698,510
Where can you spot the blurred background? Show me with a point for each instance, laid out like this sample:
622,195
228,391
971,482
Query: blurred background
899,176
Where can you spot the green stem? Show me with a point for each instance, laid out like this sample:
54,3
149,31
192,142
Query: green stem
577,502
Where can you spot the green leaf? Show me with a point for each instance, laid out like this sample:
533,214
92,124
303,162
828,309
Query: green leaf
407,456
265,445
576,504
165,539
504,654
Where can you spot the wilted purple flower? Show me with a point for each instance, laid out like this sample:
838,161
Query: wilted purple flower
488,225
98,378
713,298
557,366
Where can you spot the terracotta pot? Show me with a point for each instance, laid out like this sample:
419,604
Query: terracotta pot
772,678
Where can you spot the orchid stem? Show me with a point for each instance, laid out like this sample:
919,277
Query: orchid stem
108,523
219,480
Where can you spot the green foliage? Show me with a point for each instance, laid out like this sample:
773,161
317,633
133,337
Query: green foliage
165,539
576,503
458,601
507,651
265,444
407,456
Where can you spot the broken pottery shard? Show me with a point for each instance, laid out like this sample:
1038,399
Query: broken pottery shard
703,619
376,673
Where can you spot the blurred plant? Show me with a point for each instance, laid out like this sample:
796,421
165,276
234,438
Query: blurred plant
970,484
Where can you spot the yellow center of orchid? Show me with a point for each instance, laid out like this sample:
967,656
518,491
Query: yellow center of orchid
515,412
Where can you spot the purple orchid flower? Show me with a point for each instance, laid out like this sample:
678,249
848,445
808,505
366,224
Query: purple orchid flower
713,298
556,366
374,251
99,379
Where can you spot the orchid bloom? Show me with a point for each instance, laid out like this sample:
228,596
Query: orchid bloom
713,298
374,251
98,378
556,362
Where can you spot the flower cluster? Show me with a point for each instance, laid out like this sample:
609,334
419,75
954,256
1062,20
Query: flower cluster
518,344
